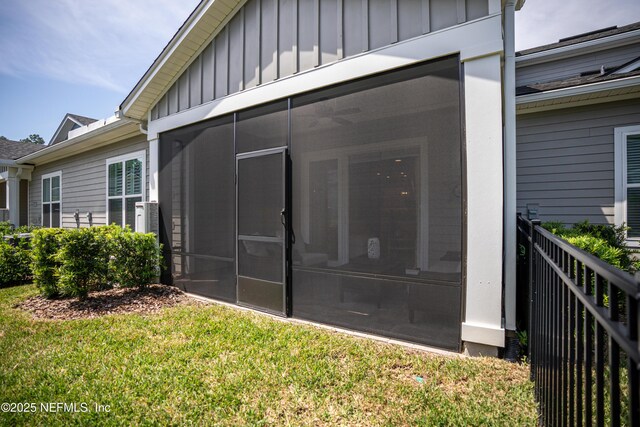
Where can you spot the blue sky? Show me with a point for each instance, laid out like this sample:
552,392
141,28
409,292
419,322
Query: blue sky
83,56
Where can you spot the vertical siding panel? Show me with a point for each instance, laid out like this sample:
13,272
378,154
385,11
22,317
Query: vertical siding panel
426,16
236,47
208,75
183,91
222,63
352,15
379,23
163,106
340,29
251,44
173,98
154,112
365,25
306,37
409,19
462,11
269,40
444,13
287,28
316,33
328,31
477,9
195,82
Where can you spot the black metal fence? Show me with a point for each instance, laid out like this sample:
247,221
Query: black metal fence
582,330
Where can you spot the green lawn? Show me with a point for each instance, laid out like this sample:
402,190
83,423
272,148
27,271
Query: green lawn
209,364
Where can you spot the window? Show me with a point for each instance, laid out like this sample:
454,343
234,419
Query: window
51,199
627,179
125,187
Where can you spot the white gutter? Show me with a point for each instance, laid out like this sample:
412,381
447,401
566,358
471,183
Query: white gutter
509,243
579,90
99,131
578,49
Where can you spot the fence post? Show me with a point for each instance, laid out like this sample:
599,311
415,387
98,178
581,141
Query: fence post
531,261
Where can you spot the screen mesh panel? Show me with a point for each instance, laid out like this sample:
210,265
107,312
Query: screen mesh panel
377,205
197,207
262,127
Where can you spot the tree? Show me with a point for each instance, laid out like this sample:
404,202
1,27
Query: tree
3,138
34,138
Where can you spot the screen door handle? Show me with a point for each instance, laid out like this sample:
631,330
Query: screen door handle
283,221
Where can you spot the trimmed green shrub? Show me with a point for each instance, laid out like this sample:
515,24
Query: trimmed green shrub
72,263
606,242
15,263
45,245
83,259
137,259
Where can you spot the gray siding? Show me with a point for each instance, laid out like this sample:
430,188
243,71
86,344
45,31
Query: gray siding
270,39
568,67
84,183
565,161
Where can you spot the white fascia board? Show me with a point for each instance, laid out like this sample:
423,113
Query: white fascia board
176,43
578,90
471,40
59,150
578,48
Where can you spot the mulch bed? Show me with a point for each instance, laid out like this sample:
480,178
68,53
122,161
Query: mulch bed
113,301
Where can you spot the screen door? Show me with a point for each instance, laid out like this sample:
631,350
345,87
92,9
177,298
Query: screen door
262,229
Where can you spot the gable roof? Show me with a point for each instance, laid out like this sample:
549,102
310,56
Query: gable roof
582,38
68,123
208,18
12,150
81,120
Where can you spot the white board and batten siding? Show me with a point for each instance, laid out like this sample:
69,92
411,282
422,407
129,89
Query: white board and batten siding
84,183
270,39
565,161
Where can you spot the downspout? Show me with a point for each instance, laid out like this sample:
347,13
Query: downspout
509,243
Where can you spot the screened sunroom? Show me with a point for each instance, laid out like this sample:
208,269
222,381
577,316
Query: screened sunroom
343,205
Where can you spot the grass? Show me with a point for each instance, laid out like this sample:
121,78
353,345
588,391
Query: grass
218,365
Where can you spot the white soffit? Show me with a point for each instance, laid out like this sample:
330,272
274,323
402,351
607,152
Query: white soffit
202,25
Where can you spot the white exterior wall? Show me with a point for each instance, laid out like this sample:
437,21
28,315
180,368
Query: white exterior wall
479,45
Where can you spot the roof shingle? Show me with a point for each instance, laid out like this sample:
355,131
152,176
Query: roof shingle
12,150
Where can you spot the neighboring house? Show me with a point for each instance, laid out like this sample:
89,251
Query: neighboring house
14,178
69,123
578,129
340,162
91,175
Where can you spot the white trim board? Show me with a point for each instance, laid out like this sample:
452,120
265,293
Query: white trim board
620,171
450,41
49,176
136,155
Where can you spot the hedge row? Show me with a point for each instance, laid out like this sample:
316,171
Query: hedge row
72,263
606,242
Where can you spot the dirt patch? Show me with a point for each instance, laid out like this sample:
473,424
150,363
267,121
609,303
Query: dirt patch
113,301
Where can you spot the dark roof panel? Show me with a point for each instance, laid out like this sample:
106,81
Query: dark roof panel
571,82
12,150
581,38
82,119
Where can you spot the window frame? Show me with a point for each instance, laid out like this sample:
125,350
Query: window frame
50,176
621,185
137,155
